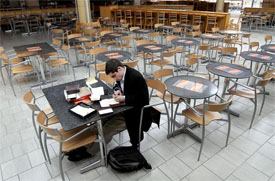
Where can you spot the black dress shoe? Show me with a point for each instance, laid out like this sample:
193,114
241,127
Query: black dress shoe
78,157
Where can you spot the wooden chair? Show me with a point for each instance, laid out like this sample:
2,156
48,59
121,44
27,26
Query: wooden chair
30,100
161,19
268,39
107,79
149,19
99,68
93,53
241,42
215,30
172,17
205,113
127,42
62,59
131,64
118,15
129,17
204,48
153,37
251,92
196,19
228,52
184,19
211,22
88,46
163,61
68,140
58,34
138,19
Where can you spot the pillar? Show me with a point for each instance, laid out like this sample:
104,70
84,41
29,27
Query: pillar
220,6
83,11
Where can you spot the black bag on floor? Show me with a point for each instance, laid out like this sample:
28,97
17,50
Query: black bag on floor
127,159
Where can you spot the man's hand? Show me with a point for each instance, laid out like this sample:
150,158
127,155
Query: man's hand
118,96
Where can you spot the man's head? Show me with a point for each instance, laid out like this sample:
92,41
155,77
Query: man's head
114,69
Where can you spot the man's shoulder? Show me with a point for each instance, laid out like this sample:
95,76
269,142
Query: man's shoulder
133,72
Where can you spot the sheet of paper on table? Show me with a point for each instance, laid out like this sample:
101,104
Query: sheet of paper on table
82,111
108,102
105,111
90,81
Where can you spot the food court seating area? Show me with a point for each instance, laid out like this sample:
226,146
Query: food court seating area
236,133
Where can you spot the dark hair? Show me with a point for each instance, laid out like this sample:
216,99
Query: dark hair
112,65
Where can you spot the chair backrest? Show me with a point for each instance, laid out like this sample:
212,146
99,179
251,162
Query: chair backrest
131,64
184,18
177,30
196,18
153,35
196,28
191,61
254,44
225,50
211,19
100,67
123,21
161,15
92,44
65,48
102,33
268,38
106,78
148,14
168,54
215,30
246,35
127,38
171,37
175,23
41,120
163,73
97,50
196,34
134,28
158,25
157,85
57,31
204,47
265,81
220,106
29,100
142,42
74,35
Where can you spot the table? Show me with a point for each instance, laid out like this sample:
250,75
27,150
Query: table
258,57
207,90
231,32
229,71
269,48
142,31
151,48
166,29
69,121
114,54
112,24
35,50
114,35
184,42
214,41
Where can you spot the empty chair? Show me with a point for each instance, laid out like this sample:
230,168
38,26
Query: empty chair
138,19
205,113
184,19
196,19
229,53
149,19
172,17
161,18
268,39
118,15
129,17
211,22
93,53
107,79
68,140
163,61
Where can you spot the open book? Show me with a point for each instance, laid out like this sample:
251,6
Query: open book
108,102
82,110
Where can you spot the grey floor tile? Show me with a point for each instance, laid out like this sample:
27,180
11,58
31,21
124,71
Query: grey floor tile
272,140
265,128
262,163
245,145
155,174
268,151
24,147
40,173
220,166
131,175
190,157
5,155
74,174
15,178
158,134
183,141
15,166
107,176
219,138
233,155
204,173
209,148
153,158
246,172
36,157
166,149
232,178
175,169
272,178
255,136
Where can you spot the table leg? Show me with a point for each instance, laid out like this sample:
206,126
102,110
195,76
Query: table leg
103,152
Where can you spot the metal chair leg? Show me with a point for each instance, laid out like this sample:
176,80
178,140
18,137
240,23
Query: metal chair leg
41,144
229,126
46,148
202,141
262,102
255,108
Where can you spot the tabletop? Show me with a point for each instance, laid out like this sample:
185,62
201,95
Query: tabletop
231,32
166,27
229,70
69,120
269,48
260,57
112,24
114,54
153,48
143,31
190,87
212,36
115,35
185,42
34,49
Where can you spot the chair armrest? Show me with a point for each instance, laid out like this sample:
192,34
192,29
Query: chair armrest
250,88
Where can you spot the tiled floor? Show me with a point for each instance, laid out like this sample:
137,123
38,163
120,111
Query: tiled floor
250,154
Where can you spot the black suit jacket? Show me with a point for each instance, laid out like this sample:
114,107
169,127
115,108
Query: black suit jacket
136,95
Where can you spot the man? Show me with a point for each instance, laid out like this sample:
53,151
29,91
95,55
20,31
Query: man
132,89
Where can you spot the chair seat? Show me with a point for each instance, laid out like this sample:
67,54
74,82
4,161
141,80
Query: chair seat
193,55
161,62
57,62
167,98
81,140
59,37
152,41
216,48
13,61
22,69
243,92
209,115
50,54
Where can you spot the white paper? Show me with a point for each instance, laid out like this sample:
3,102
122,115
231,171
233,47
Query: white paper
98,91
72,96
95,97
82,111
108,102
105,111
